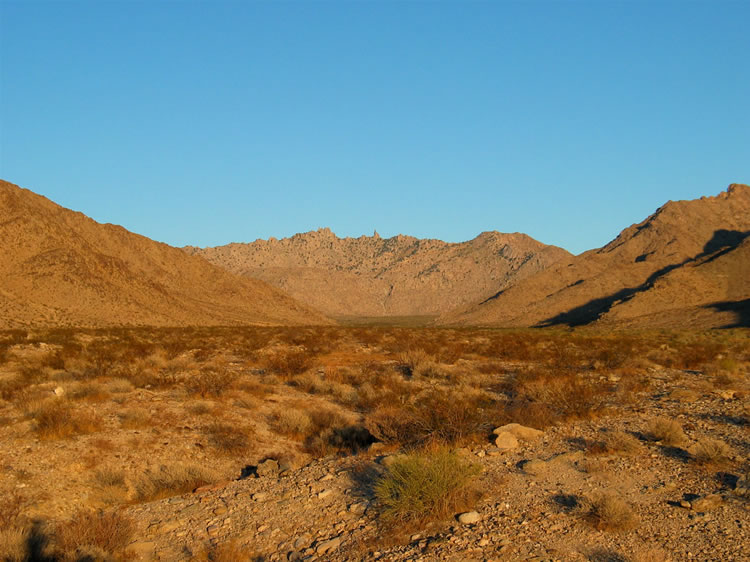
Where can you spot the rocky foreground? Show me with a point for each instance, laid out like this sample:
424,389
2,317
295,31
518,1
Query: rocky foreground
536,504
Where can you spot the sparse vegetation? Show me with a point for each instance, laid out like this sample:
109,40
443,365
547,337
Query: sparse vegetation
170,480
669,432
431,484
609,512
56,419
709,452
229,398
93,535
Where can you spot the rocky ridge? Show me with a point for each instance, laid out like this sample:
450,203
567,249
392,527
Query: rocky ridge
59,267
684,266
398,276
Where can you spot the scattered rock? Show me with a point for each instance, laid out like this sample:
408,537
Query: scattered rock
267,468
519,431
469,518
328,546
506,441
707,503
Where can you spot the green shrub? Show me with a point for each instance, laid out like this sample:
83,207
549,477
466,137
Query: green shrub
428,485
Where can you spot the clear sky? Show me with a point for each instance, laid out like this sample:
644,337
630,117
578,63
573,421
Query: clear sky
211,122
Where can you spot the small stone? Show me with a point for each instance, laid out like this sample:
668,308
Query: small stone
469,518
707,503
324,494
269,467
328,546
59,392
220,510
519,431
506,441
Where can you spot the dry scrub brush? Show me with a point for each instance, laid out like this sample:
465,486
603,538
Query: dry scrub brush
228,439
447,417
667,431
609,512
91,535
617,442
710,452
56,419
170,480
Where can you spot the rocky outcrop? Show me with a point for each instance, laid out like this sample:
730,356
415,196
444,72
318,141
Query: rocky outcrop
398,276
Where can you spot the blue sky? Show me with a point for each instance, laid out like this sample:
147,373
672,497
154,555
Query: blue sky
210,122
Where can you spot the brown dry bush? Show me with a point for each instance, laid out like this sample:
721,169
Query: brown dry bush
56,419
609,512
667,431
616,442
11,386
347,439
134,418
228,439
539,398
710,452
210,382
93,535
292,422
444,417
89,391
287,362
170,480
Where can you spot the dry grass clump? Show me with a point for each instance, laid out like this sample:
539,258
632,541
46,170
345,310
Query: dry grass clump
90,391
291,422
418,363
709,451
200,407
111,485
210,382
541,397
617,442
347,439
667,431
287,362
429,485
609,512
119,386
134,418
686,395
56,419
14,533
170,480
90,535
228,439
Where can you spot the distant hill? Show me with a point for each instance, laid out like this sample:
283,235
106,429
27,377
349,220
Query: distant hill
398,276
687,265
59,267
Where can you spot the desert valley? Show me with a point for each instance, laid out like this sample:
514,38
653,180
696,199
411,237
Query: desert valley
326,398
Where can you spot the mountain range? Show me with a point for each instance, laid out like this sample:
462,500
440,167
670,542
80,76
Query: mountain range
61,268
685,266
398,276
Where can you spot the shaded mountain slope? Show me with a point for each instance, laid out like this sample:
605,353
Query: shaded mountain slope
398,276
59,267
687,255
